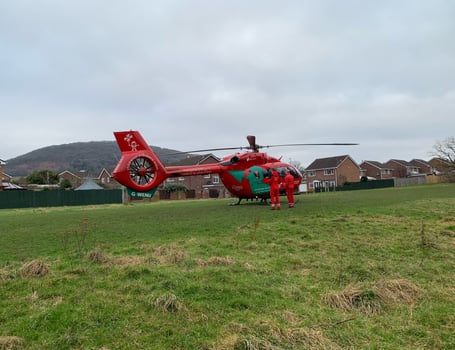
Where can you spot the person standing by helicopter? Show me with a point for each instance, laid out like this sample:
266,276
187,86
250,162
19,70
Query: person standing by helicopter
274,180
289,187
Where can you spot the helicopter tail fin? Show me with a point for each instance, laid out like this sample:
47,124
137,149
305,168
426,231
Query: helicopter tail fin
139,169
131,141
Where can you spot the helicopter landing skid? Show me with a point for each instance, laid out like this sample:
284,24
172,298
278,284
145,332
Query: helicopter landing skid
263,201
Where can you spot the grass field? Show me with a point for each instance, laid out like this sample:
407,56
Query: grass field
370,269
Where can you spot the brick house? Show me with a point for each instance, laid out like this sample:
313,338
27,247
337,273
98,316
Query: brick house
424,167
328,173
439,165
5,179
376,170
106,180
401,168
74,179
1,173
204,186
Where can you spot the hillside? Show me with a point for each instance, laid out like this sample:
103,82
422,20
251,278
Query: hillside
89,156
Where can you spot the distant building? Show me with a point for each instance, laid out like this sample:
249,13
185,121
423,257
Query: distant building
1,172
74,179
401,168
424,166
5,179
328,173
104,178
439,165
375,170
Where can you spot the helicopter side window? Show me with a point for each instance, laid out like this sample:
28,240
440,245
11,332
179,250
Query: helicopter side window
267,173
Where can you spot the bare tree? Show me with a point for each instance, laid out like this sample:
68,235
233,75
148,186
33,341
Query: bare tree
445,151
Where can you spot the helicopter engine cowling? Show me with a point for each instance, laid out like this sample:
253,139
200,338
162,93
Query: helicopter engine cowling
231,161
234,160
139,171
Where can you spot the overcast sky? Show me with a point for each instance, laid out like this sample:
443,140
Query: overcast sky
202,74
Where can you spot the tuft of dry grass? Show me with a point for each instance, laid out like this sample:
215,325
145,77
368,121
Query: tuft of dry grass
168,255
294,337
355,298
127,260
6,274
398,291
34,268
371,299
310,338
268,335
97,256
253,343
168,303
11,343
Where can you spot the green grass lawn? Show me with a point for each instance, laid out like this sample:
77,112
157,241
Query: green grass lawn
371,269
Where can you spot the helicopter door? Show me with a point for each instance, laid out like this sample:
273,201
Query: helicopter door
255,177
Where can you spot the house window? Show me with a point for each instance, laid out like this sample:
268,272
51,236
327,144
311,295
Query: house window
216,179
181,179
207,176
311,173
171,179
329,171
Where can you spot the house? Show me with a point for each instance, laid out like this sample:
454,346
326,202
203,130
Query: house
74,179
375,170
401,168
104,178
204,186
439,165
5,179
424,167
328,173
1,173
2,162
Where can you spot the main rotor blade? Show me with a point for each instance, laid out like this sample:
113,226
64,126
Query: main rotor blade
210,150
267,146
311,144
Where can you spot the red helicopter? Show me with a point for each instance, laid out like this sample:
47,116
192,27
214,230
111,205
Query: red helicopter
141,171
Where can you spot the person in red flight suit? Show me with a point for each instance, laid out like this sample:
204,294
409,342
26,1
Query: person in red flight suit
274,181
289,187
